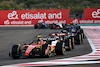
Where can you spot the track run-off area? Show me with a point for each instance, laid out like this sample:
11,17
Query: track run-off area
86,53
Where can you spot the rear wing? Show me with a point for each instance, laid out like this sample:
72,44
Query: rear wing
58,34
48,39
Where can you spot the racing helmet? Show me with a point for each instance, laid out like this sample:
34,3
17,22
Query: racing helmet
57,38
55,33
39,36
25,43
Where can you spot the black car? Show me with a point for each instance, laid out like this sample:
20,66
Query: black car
40,25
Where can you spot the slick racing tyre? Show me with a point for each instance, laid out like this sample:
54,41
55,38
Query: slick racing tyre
82,31
82,37
70,45
16,51
44,47
49,53
72,42
60,48
40,26
35,26
52,26
79,39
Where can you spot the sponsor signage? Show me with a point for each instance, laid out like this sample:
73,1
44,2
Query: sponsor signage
85,21
29,17
93,14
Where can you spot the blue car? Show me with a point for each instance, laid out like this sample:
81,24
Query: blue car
40,25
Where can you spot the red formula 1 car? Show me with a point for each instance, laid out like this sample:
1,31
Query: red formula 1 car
49,47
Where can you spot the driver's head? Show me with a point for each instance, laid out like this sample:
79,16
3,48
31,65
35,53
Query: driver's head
55,33
39,37
72,26
57,38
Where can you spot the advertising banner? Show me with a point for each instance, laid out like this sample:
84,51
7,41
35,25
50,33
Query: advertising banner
84,21
30,17
91,16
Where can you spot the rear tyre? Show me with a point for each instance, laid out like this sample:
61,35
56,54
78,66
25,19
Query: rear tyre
72,42
83,35
80,39
52,26
82,31
35,26
60,48
44,47
70,45
49,53
16,51
40,26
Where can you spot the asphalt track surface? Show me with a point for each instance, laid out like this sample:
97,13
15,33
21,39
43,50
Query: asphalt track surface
13,35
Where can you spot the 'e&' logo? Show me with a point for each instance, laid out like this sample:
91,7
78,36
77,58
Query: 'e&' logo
13,15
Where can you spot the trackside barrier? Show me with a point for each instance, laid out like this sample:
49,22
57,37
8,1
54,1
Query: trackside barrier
30,17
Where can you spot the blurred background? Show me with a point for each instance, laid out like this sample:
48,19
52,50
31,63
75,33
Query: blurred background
75,6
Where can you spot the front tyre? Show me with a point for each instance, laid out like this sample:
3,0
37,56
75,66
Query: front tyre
35,26
16,51
49,53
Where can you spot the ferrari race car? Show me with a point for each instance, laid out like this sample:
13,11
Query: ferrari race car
48,48
66,38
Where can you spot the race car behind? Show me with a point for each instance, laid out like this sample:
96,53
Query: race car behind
56,26
40,25
66,38
76,32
